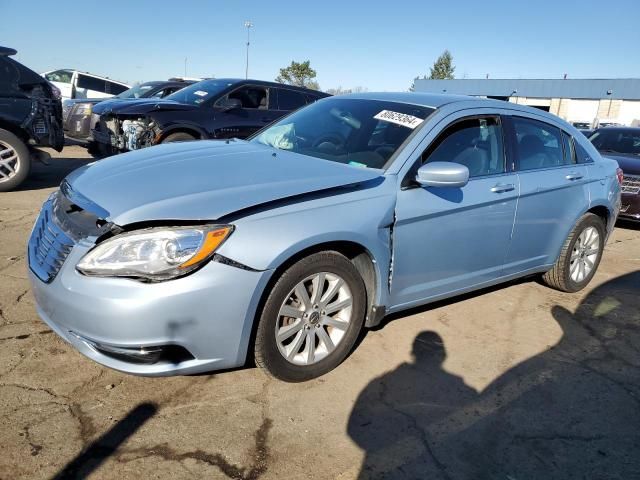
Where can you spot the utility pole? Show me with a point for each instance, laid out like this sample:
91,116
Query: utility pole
185,67
247,24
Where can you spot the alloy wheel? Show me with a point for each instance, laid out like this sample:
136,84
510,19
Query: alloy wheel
9,162
584,255
313,319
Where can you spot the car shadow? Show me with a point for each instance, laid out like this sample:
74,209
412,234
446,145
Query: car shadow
570,412
627,225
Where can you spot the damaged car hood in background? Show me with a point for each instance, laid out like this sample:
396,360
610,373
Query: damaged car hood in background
204,180
139,106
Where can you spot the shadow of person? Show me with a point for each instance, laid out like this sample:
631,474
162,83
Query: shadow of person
572,411
391,418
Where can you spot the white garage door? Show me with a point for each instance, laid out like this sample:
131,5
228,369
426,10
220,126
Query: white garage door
582,110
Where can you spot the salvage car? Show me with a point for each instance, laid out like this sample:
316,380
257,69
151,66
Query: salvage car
220,108
30,116
77,113
191,257
623,145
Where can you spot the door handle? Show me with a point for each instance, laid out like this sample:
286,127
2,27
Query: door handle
266,119
503,187
574,176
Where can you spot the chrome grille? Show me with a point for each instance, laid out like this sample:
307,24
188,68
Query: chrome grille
631,184
49,246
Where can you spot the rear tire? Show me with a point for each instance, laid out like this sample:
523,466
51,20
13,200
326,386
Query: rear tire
15,161
178,137
580,256
323,323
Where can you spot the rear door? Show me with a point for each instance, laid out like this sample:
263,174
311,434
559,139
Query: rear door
553,192
447,240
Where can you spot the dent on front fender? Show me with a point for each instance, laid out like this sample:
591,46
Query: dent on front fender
266,240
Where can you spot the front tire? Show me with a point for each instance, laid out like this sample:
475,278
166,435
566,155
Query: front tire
580,256
178,137
15,161
311,318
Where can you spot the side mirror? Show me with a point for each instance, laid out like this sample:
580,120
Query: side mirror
442,174
230,104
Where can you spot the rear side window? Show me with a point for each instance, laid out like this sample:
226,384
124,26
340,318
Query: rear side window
581,154
474,142
290,100
569,155
92,83
115,88
538,144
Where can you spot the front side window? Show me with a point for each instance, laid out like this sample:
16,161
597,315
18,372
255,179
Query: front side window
474,142
250,97
358,132
538,144
60,76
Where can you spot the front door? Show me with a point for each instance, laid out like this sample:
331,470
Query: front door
251,116
447,240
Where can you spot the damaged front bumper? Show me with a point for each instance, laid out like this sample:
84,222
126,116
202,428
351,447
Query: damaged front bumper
44,121
125,134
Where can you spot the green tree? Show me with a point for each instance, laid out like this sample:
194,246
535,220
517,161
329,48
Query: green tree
299,74
443,67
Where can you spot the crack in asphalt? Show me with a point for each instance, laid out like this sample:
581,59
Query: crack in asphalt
26,335
254,472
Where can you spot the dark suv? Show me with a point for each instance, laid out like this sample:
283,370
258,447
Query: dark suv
76,112
30,116
219,108
623,145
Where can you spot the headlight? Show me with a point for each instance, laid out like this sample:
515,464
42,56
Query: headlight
154,254
83,109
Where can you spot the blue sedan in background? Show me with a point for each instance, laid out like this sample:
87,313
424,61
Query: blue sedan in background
187,257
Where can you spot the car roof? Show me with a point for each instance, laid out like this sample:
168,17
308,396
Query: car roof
618,129
269,84
437,100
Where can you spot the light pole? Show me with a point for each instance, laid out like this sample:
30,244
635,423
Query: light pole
247,24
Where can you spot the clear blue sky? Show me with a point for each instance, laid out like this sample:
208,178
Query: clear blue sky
378,45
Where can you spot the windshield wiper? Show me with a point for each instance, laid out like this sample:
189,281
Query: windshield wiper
608,150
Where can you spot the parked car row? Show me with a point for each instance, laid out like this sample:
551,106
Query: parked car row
210,109
77,113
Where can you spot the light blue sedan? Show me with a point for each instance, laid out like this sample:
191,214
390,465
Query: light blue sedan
193,257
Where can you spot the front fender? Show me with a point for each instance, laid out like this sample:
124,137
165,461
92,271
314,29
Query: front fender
267,239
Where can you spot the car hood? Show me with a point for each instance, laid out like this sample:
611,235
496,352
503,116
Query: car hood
202,180
628,163
139,106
